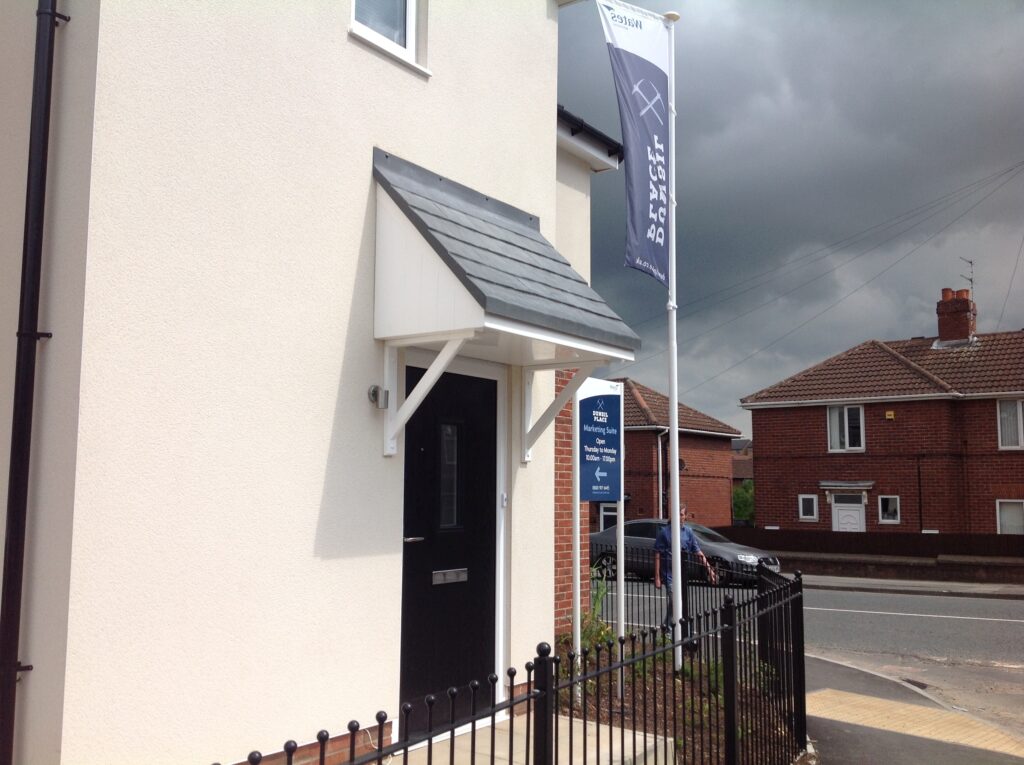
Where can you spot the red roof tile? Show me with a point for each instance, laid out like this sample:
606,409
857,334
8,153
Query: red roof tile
992,363
643,406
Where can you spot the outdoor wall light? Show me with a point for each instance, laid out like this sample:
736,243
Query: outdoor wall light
378,396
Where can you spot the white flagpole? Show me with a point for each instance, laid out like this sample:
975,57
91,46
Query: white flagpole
673,362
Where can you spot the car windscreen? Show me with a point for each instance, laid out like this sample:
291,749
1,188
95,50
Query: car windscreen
703,532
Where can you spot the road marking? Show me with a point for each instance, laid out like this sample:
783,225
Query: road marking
929,616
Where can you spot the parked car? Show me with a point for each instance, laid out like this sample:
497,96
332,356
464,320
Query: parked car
733,562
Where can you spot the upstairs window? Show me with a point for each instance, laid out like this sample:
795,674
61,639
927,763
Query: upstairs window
388,24
1011,424
846,428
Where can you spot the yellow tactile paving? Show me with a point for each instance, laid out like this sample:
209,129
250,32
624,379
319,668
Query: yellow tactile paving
911,720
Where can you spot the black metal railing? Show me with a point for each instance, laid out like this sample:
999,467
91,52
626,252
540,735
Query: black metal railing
725,685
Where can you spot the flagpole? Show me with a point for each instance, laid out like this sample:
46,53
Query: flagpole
673,360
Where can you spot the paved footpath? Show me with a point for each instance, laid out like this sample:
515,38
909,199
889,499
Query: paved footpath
860,718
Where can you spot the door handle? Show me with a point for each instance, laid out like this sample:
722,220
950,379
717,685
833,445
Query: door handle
408,540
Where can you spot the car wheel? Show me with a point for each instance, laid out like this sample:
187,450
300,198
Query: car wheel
605,567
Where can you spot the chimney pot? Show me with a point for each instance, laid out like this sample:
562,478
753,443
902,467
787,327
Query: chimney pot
947,294
963,294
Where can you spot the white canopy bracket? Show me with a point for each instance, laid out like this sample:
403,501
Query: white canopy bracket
397,418
531,432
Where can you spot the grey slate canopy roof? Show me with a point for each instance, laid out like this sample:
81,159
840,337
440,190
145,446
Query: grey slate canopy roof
497,252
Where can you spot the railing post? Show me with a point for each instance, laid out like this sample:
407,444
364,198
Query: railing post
544,706
764,630
729,678
796,611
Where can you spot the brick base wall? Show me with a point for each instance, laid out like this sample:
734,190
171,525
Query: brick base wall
563,519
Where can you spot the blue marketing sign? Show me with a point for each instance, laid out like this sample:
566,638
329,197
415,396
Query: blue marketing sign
600,439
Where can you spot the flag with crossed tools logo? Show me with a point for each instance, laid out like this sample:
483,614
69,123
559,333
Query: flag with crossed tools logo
638,43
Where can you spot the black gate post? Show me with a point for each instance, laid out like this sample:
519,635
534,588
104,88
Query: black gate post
796,611
729,678
543,707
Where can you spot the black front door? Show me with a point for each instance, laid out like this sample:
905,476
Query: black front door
449,550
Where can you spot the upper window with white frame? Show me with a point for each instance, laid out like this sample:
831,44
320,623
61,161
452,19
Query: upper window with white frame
888,509
1011,424
807,507
390,25
846,428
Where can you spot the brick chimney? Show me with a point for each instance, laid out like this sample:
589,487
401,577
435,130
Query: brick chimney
957,314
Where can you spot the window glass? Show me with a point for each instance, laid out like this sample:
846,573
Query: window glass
706,534
385,17
1009,423
836,432
1011,517
888,509
853,438
449,475
609,515
808,507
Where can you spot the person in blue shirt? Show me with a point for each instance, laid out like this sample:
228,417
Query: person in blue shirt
663,558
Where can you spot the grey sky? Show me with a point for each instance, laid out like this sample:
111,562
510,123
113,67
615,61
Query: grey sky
801,124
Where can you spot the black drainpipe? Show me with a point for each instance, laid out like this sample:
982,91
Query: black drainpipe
47,19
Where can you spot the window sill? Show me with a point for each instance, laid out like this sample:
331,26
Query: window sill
357,34
807,520
1011,448
888,523
847,451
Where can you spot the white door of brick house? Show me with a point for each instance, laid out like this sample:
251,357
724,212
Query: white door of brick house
848,512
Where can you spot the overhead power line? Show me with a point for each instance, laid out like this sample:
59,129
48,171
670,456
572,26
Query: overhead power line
1010,285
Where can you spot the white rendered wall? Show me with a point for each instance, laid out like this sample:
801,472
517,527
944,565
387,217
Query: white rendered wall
236,559
54,438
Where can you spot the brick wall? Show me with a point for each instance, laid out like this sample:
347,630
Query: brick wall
940,457
705,484
563,519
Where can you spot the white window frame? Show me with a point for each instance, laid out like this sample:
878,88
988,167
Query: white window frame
1020,424
846,428
604,510
899,512
999,525
800,507
406,54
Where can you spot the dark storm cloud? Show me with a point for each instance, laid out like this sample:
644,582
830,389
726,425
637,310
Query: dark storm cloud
801,124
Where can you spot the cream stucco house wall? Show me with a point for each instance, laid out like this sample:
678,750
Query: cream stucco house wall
215,544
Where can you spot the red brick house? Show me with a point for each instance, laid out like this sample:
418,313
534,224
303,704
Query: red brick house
705,449
919,435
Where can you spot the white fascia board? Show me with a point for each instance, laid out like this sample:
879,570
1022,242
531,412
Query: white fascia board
590,151
557,338
860,400
682,430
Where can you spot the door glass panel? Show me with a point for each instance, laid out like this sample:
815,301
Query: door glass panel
846,499
1011,517
1009,427
449,475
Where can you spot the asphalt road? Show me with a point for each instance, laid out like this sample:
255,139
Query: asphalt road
967,652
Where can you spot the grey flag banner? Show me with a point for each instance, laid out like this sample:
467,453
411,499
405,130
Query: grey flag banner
638,43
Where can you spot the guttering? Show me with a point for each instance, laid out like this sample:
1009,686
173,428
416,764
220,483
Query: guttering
47,19
856,400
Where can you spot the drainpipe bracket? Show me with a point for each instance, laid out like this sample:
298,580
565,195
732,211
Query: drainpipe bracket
36,335
57,17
